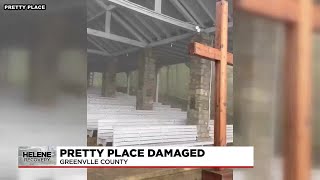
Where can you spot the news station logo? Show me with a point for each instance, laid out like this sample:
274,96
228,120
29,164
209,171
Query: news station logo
37,155
21,7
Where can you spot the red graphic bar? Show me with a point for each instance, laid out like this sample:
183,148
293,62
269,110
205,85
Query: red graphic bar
231,167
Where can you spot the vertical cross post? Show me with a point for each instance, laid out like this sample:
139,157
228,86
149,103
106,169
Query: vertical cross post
157,85
297,132
222,58
128,83
220,99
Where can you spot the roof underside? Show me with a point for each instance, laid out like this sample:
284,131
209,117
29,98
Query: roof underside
120,28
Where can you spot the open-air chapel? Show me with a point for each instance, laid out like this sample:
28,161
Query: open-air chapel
169,72
147,74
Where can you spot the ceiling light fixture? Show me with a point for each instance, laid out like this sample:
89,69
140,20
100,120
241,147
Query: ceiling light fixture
198,29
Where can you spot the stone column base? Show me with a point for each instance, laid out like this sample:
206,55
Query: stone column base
205,139
211,174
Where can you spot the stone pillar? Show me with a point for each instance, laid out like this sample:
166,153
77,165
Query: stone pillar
257,92
168,85
88,78
43,78
91,79
199,90
109,79
44,62
128,82
156,97
157,86
3,67
146,81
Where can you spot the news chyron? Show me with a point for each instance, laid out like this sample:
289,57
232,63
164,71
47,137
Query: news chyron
24,7
37,155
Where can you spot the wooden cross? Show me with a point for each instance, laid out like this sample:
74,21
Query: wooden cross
301,17
220,55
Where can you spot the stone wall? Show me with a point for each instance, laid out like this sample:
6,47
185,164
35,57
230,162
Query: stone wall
146,81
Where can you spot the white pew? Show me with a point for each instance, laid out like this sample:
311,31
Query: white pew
120,103
105,127
109,107
127,114
183,135
92,119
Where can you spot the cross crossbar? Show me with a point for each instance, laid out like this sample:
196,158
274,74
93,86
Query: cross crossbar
208,52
